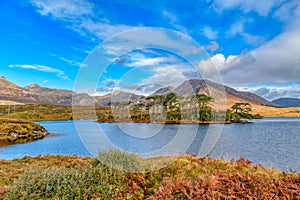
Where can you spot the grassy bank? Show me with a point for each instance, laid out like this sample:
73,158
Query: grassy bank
36,112
46,112
15,131
188,177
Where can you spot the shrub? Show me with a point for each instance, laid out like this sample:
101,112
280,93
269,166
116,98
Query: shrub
96,180
122,161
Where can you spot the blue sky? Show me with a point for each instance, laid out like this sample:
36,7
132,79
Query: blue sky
253,44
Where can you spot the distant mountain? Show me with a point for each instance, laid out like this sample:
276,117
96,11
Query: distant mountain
51,96
36,94
287,102
197,86
40,95
117,97
164,91
12,92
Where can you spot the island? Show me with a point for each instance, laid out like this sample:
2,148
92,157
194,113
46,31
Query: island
16,131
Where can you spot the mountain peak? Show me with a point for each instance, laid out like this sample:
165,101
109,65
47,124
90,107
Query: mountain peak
34,85
7,84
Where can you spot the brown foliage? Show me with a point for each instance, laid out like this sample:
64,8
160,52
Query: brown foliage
204,178
229,186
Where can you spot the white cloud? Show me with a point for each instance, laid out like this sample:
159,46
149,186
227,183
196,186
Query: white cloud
155,38
212,46
70,62
147,62
174,21
263,8
81,50
141,60
209,33
41,68
170,16
238,28
253,39
277,62
63,9
223,64
140,89
288,10
169,75
272,93
78,15
109,83
279,59
100,29
160,76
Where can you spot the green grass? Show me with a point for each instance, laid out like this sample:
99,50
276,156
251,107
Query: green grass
36,112
46,112
68,183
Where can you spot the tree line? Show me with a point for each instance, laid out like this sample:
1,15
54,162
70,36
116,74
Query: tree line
175,108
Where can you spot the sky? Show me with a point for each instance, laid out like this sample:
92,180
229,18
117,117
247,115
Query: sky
254,45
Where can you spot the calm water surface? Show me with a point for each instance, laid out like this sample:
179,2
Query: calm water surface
272,142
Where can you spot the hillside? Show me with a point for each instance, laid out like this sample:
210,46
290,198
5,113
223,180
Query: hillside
287,102
12,92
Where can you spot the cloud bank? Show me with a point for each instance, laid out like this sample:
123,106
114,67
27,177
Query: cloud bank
276,63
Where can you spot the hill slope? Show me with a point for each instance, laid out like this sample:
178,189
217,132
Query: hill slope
287,102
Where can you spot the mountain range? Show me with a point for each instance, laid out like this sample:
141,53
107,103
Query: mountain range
36,94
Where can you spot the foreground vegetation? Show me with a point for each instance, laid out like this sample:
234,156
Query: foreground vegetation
188,177
14,131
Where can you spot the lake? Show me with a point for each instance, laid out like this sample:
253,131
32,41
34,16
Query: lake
271,142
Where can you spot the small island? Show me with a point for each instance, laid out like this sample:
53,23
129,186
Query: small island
16,131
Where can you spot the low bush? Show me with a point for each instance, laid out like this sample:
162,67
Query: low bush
68,183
